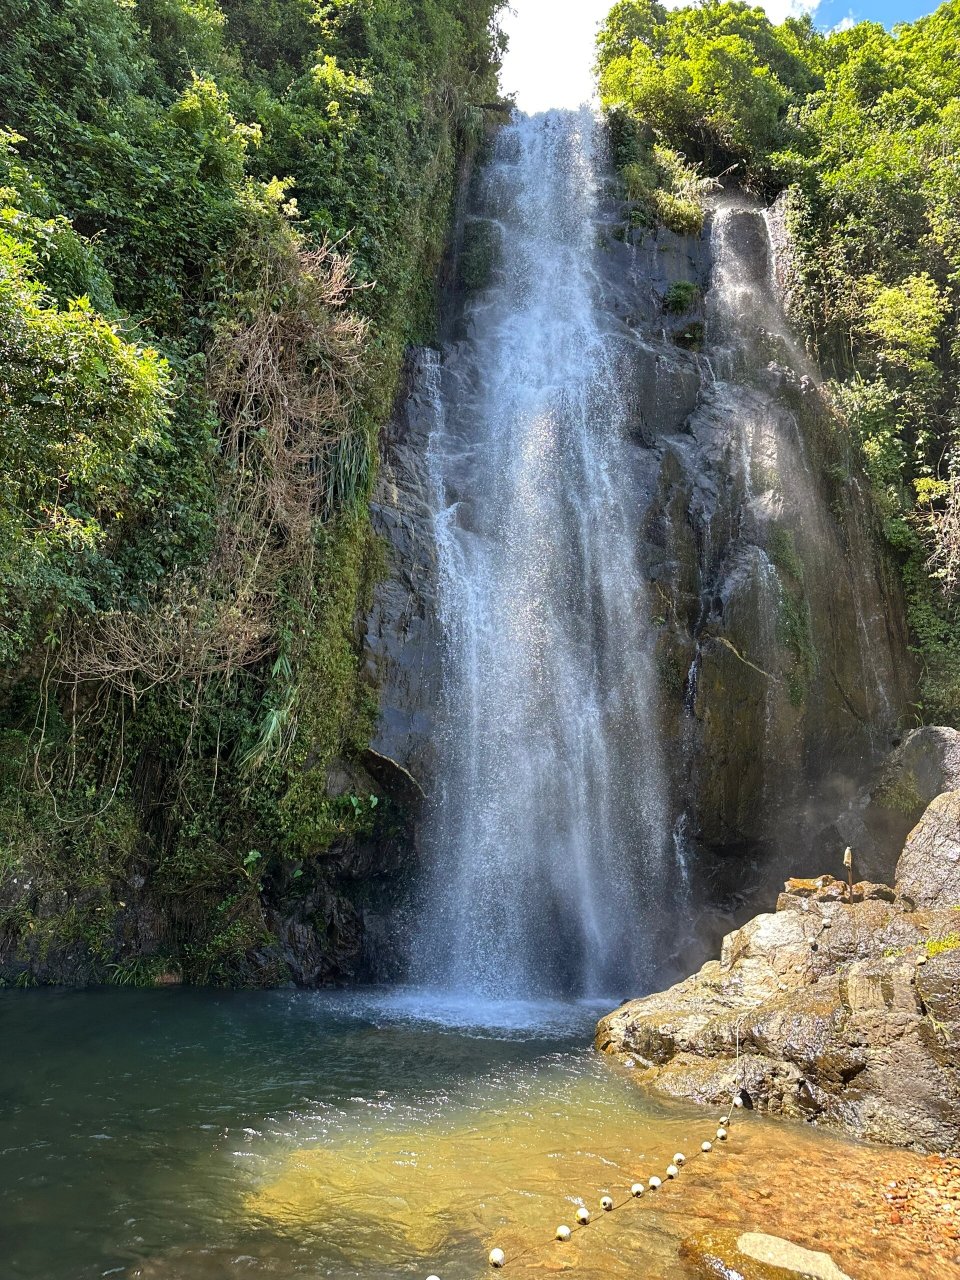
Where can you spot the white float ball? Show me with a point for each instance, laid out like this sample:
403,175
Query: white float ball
583,1215
637,1189
672,1170
738,1101
654,1182
497,1258
724,1120
606,1203
706,1146
721,1134
679,1158
564,1233
433,1278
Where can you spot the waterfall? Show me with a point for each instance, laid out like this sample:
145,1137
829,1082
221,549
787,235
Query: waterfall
550,834
781,484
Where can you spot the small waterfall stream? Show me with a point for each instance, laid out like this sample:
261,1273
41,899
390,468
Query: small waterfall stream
550,834
750,328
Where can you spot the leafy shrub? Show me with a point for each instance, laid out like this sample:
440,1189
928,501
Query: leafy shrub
680,297
219,231
79,404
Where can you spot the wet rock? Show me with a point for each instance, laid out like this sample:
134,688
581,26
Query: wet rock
799,677
402,636
662,389
938,984
878,814
837,1011
755,1255
926,764
928,873
883,812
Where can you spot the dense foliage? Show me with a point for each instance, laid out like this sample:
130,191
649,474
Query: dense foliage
860,129
220,225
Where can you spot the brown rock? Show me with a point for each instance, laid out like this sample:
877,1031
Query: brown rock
821,1011
808,888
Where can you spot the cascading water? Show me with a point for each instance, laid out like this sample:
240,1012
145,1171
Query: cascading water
781,487
551,830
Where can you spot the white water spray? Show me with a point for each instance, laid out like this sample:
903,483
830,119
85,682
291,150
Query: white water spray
551,832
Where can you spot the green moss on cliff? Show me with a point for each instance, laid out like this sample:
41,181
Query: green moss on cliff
794,624
184,539
859,128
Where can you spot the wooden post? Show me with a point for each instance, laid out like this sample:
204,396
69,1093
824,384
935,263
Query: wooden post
848,863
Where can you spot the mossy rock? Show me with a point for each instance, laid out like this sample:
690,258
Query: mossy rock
901,793
691,336
480,253
754,1255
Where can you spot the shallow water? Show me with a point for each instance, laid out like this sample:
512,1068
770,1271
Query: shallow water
187,1135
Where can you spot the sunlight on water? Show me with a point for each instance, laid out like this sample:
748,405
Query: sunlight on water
189,1135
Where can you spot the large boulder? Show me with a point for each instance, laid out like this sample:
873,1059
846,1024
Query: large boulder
926,764
928,873
881,815
828,1009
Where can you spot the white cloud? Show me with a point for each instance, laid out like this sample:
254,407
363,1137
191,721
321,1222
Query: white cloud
777,10
550,56
845,23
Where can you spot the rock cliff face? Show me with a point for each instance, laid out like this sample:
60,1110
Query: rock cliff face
783,666
402,647
842,1011
923,766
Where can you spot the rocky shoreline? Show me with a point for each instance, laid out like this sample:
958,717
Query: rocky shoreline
838,1009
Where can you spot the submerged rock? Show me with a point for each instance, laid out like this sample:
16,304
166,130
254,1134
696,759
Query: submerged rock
846,1012
754,1255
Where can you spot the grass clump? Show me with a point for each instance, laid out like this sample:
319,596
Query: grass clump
680,297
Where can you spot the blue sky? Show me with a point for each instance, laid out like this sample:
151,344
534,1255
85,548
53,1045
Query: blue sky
551,41
829,12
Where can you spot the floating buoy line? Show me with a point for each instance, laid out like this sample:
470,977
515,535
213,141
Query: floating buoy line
498,1259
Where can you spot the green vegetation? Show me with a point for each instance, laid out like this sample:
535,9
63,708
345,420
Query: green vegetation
859,130
478,257
680,297
220,228
938,946
902,795
659,186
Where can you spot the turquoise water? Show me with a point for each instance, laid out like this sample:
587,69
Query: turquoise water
200,1135
139,1129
